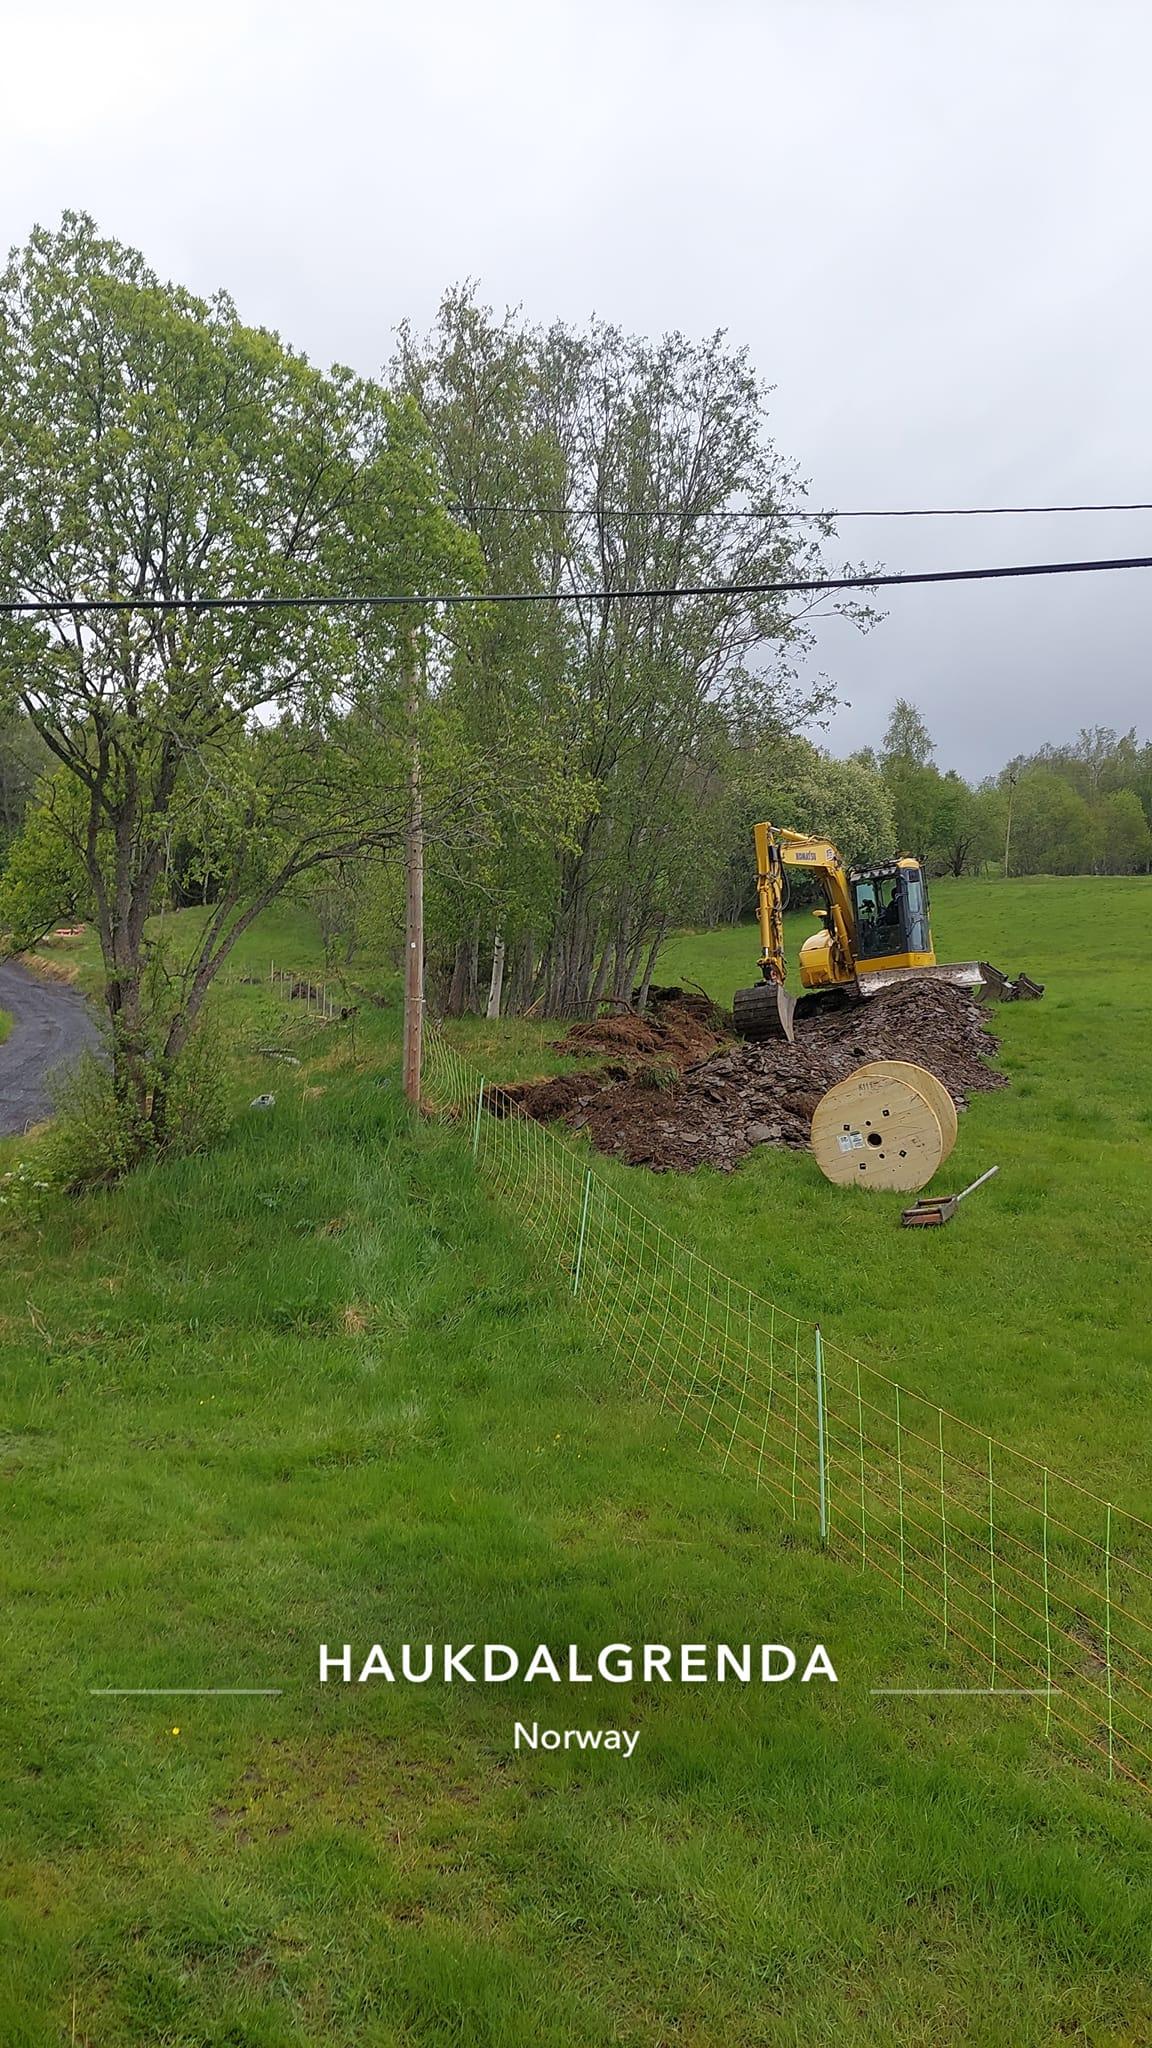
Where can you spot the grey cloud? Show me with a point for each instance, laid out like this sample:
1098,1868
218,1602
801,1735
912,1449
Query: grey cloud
930,224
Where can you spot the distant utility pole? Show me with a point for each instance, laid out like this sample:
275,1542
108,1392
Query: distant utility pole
1013,778
414,932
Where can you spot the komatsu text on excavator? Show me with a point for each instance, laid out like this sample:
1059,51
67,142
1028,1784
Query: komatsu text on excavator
875,930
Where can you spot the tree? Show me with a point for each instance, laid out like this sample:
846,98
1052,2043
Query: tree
912,780
663,435
1096,826
154,449
795,784
44,881
1052,830
23,759
1123,840
622,461
907,740
477,382
661,441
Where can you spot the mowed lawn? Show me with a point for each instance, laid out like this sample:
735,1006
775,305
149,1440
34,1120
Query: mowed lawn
315,1387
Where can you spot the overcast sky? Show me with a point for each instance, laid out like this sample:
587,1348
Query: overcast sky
928,219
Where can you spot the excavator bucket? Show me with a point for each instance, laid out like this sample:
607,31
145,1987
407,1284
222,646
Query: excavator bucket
766,1011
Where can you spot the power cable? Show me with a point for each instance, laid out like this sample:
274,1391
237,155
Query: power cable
372,601
791,512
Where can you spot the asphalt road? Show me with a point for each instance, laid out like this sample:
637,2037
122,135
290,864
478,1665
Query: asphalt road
51,1025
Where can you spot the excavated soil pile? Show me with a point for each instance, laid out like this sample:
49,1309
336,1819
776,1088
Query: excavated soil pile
715,1109
677,1029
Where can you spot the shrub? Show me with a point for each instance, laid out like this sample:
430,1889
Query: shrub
98,1136
94,1138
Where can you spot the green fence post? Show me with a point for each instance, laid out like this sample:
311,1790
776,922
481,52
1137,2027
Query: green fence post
1107,1633
582,1233
943,1517
992,1557
821,1453
900,1492
1047,1616
863,1487
476,1125
795,1412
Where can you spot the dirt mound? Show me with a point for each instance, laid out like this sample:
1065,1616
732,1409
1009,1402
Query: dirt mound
717,1109
677,1028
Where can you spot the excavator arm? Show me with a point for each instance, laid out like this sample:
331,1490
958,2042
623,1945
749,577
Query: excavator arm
767,1011
777,849
770,905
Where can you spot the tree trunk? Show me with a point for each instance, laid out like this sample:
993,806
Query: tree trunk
628,961
568,991
496,982
649,970
601,981
522,977
571,957
463,990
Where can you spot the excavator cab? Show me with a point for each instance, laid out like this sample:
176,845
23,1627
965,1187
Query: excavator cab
890,907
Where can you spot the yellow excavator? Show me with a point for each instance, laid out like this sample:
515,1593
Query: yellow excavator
875,931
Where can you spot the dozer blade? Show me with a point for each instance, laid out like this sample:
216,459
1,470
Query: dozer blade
1000,988
765,1011
1003,989
961,973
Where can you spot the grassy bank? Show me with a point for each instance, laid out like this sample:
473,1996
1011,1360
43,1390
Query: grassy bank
313,1387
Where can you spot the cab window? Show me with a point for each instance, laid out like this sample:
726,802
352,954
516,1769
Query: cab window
916,912
878,915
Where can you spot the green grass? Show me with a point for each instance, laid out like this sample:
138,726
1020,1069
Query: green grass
5,1025
1027,1315
314,1387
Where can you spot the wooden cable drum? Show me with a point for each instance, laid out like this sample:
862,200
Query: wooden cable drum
925,1084
875,1130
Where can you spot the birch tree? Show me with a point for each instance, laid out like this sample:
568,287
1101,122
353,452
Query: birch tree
591,461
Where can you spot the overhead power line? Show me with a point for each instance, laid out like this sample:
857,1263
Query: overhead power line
375,600
792,511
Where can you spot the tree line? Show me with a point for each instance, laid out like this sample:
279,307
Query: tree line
1082,807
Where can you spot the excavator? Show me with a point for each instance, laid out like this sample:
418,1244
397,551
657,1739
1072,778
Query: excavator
875,931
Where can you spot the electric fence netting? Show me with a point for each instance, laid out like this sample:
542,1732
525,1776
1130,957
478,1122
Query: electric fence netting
1036,1585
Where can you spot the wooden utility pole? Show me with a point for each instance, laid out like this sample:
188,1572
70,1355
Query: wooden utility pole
414,931
1013,777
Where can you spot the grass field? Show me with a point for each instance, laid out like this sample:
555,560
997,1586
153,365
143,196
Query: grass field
5,1025
315,1387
